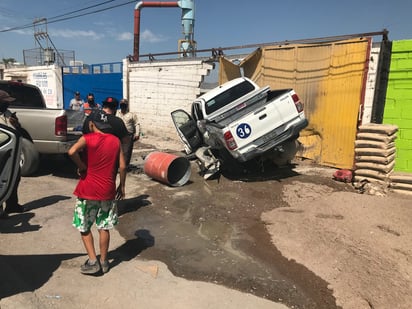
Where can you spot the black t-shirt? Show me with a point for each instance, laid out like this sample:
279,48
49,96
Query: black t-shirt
118,127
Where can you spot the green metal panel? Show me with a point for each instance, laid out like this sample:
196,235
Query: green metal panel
398,103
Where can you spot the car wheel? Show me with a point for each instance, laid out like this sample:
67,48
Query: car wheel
29,158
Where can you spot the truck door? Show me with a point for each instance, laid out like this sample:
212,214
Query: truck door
187,129
10,148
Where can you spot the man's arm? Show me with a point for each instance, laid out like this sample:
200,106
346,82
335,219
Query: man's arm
136,127
121,191
74,153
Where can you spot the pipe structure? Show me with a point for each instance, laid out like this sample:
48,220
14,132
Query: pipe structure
187,22
137,8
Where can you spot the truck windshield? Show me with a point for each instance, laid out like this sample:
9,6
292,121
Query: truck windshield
228,96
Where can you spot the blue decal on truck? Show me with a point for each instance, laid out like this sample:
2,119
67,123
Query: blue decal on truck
243,130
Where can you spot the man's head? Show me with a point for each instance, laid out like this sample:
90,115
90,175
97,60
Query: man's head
77,95
90,98
124,104
110,105
5,99
99,119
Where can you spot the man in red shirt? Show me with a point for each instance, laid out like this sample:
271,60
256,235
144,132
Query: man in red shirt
98,157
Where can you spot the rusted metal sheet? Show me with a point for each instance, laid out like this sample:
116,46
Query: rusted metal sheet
228,70
330,79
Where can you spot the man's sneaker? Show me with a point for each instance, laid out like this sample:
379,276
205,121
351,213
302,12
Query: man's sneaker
105,266
90,269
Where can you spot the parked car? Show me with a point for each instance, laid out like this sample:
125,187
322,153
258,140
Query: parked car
10,149
49,130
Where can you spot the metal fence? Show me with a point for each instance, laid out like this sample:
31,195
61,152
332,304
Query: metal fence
41,56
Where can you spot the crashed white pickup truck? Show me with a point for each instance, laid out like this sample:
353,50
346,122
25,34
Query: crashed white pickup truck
241,119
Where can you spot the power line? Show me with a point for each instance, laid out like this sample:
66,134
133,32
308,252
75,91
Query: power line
62,17
79,10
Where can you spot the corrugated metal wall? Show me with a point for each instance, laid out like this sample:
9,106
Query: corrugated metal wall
330,79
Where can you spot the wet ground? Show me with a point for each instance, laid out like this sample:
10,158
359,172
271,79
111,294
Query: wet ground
212,231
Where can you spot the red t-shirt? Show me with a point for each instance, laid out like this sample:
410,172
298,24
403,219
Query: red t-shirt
101,156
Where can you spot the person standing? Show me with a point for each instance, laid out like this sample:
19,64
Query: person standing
132,125
98,156
10,119
90,104
117,126
77,102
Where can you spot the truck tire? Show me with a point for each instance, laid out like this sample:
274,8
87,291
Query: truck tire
230,166
29,159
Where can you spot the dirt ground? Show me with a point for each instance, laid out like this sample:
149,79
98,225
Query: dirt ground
290,236
354,248
360,244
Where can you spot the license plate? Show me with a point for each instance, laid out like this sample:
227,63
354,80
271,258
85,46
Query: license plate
269,136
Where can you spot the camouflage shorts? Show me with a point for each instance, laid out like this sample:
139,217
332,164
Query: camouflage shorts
87,212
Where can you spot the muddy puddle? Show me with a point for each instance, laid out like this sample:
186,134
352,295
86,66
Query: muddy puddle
211,231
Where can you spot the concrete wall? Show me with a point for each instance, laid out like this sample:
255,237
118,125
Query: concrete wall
155,89
370,85
398,105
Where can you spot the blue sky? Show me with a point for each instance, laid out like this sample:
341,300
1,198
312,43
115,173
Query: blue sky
107,36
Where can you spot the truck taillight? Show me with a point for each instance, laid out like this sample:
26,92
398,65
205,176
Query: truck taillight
298,103
230,141
60,126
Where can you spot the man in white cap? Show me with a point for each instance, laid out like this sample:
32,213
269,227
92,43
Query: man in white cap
9,119
77,102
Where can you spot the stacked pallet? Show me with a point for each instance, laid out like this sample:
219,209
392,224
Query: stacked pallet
375,153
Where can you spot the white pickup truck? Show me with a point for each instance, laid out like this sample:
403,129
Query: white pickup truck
48,130
241,119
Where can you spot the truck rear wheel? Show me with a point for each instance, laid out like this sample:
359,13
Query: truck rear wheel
29,158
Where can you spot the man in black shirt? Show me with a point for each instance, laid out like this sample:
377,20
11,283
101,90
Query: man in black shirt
118,128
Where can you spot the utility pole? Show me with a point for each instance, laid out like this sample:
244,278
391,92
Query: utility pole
44,42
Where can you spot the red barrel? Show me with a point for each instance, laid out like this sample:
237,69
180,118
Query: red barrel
167,168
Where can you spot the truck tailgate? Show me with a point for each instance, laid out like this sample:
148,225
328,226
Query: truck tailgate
254,125
36,120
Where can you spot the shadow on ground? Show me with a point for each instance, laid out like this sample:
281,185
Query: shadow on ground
132,204
27,273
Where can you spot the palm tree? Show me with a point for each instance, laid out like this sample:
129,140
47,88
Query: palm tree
8,61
